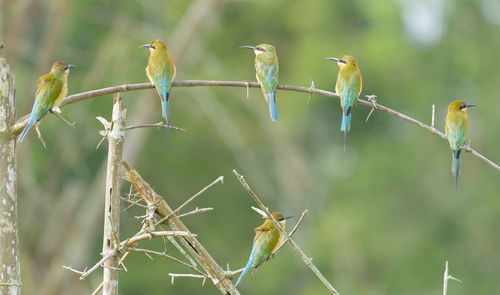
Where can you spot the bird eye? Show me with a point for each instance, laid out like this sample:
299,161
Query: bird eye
260,49
153,47
462,107
342,61
281,219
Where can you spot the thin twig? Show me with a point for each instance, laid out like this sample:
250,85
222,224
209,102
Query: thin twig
187,275
17,128
23,121
219,179
195,211
156,125
433,113
292,232
447,277
307,260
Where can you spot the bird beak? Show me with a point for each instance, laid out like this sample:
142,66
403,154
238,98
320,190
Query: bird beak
332,58
469,106
145,45
249,47
71,66
288,217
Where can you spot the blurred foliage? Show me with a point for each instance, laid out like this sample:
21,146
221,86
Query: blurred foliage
383,217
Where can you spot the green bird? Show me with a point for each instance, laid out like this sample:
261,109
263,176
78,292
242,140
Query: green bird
348,87
267,70
267,240
51,90
456,128
161,73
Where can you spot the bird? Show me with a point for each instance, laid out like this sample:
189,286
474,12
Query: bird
51,90
267,72
267,240
456,128
348,87
161,73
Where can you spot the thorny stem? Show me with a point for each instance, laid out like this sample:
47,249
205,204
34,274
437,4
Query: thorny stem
19,125
307,260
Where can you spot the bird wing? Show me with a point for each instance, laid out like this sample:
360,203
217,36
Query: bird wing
267,76
49,89
161,73
264,243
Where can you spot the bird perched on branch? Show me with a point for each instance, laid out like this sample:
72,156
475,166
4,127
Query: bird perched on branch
266,68
348,87
52,89
456,127
266,241
161,72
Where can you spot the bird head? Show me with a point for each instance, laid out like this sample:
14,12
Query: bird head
260,49
154,45
280,218
344,60
459,106
60,67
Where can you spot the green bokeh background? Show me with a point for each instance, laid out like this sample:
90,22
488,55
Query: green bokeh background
383,217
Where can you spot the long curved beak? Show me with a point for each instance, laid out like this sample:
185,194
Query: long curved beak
71,66
145,45
288,217
470,106
332,58
249,47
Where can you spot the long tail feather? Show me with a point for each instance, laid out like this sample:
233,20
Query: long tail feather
27,128
346,122
165,111
455,165
345,125
247,267
273,107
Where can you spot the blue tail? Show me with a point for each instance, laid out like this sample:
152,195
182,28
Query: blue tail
28,127
247,267
455,165
346,122
165,109
273,107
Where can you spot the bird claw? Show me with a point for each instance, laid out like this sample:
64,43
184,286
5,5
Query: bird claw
56,110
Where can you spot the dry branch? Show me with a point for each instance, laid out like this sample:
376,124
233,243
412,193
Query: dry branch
194,247
307,260
19,125
10,269
446,278
115,137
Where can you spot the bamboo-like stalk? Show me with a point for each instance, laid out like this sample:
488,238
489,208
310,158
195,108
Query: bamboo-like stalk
194,247
115,137
10,270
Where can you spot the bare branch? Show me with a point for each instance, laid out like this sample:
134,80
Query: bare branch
195,211
111,240
187,275
219,179
292,232
193,246
307,260
156,125
19,125
447,277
